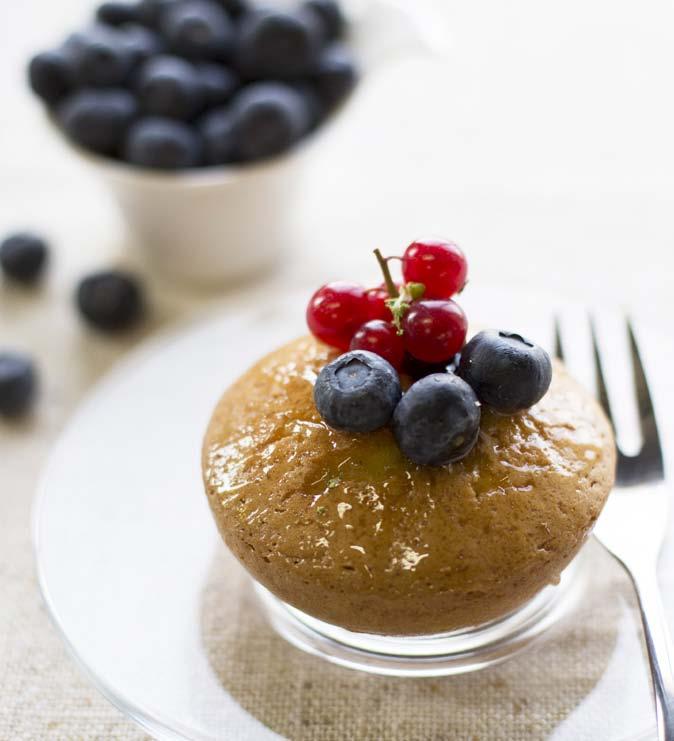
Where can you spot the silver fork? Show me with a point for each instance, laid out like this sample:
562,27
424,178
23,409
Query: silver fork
633,524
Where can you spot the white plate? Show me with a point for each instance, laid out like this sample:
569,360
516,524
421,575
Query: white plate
149,603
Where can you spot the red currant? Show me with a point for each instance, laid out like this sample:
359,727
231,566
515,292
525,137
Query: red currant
376,303
335,312
382,338
434,331
440,266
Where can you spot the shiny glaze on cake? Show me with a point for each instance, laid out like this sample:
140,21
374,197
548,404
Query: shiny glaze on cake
345,528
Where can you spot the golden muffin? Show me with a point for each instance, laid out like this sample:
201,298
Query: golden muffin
345,528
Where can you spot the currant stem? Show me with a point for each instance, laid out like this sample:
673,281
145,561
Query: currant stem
390,284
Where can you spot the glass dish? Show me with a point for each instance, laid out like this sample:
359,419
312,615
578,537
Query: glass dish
444,654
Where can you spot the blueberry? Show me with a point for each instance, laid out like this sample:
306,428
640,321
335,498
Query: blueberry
330,16
163,144
117,13
335,75
110,300
51,75
100,57
357,392
316,110
76,41
142,42
507,372
235,8
23,257
150,12
198,29
269,118
274,44
98,119
218,82
438,420
18,384
170,86
217,131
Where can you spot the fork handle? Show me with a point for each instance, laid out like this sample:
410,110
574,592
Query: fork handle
659,645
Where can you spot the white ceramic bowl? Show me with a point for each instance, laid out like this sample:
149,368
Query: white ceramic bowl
216,225
205,227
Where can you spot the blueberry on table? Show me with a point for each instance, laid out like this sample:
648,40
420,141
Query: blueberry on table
163,144
438,420
18,384
217,132
275,44
100,58
110,300
51,75
335,75
357,392
23,257
98,119
219,83
269,118
330,16
507,372
117,13
170,86
198,29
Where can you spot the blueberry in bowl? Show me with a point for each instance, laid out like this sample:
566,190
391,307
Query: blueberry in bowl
183,58
98,119
278,44
268,118
198,29
100,58
51,75
330,16
169,86
218,83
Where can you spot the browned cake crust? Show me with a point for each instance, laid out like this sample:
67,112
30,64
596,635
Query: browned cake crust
346,529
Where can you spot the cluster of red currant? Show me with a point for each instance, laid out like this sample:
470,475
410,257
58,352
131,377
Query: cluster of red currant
402,322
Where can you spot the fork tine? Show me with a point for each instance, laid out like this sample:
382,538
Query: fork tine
602,391
626,472
558,347
651,450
